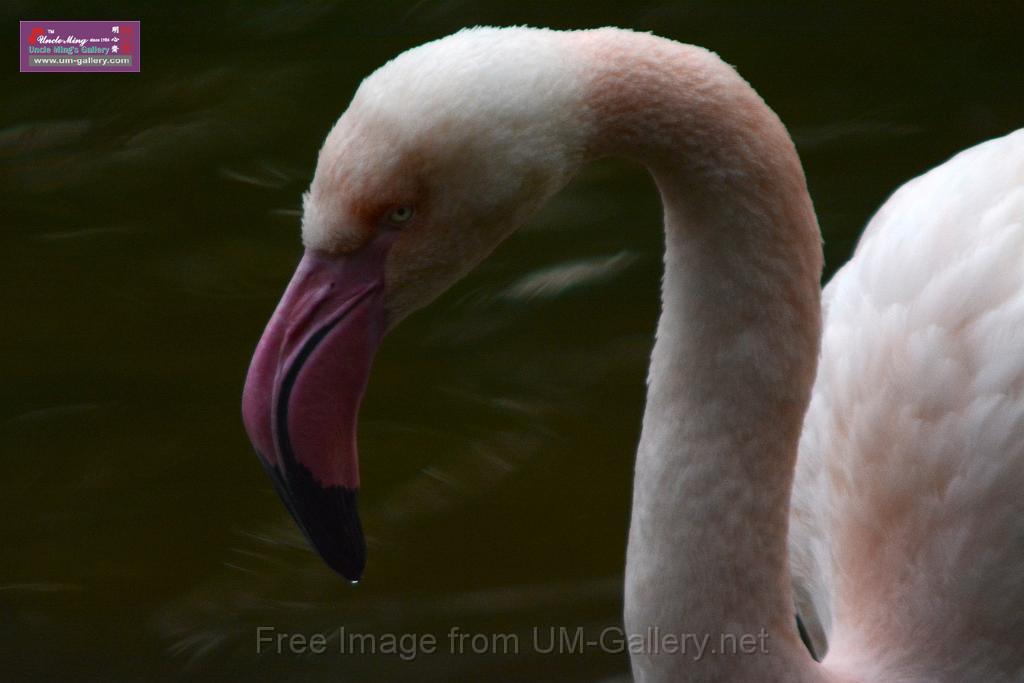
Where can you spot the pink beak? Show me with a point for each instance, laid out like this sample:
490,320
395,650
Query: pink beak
302,395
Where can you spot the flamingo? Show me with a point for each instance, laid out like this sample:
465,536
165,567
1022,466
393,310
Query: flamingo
875,487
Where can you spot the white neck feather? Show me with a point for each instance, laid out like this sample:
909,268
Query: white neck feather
734,360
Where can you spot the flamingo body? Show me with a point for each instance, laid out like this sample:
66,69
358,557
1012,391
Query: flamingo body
907,524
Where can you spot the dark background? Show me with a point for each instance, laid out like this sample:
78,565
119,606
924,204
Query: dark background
149,223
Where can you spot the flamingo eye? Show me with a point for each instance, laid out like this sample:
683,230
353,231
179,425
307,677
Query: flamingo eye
400,215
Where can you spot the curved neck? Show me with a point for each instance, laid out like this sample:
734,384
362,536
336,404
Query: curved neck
733,363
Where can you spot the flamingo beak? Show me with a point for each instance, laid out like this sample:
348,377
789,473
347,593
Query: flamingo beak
303,390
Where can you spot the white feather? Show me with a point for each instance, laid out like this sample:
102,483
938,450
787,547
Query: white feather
907,528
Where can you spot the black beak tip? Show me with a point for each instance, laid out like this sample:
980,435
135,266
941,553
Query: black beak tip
347,558
328,516
330,519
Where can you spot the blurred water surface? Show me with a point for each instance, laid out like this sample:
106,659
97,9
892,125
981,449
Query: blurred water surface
150,223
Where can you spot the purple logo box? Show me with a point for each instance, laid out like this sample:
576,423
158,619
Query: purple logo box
79,46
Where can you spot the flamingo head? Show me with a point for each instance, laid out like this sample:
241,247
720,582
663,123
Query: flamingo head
441,154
